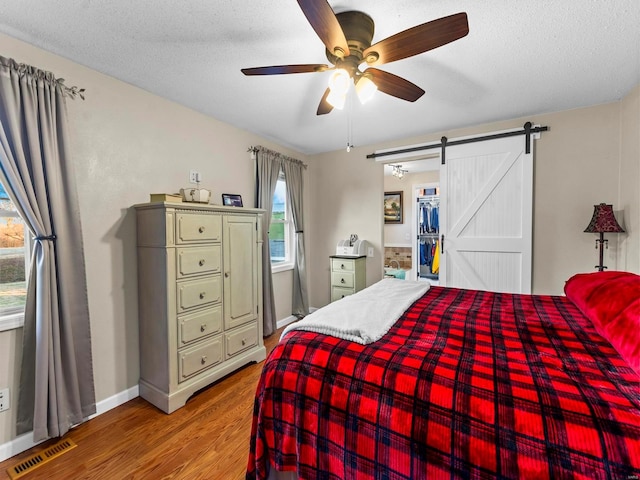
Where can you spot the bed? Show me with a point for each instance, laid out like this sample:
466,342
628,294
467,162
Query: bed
464,384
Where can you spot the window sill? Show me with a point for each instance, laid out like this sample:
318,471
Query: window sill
11,322
281,267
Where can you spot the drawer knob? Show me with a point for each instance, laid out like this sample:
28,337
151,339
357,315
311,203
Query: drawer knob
203,327
342,266
226,274
201,229
203,360
244,342
201,262
342,280
202,295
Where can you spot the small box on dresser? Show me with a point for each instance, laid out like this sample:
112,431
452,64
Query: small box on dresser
199,297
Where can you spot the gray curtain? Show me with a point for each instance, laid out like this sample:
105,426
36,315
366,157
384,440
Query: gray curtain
293,175
56,379
267,172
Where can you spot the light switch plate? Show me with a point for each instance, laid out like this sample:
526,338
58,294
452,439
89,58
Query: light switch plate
4,399
194,176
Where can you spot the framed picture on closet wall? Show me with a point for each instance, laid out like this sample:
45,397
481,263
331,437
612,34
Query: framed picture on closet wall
393,207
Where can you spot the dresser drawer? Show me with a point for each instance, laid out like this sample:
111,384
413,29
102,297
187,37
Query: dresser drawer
342,265
200,292
197,359
339,292
241,339
195,326
198,260
342,279
198,228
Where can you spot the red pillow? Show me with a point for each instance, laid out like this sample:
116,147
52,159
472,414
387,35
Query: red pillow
611,300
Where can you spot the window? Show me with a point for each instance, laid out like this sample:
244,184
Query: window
14,262
281,229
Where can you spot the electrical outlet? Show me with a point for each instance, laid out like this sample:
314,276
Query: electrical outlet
370,252
4,399
194,176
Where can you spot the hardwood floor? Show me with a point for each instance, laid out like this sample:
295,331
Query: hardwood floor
206,439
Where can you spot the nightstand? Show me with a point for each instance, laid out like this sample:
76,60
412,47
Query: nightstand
348,275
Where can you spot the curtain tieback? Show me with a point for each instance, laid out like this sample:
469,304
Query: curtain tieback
299,231
45,237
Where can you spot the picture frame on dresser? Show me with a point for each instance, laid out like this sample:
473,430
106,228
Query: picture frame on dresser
393,207
232,200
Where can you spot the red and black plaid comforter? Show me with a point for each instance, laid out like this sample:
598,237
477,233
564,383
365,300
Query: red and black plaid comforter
467,384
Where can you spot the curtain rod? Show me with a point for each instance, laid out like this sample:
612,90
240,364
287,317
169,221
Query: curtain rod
527,129
253,150
23,69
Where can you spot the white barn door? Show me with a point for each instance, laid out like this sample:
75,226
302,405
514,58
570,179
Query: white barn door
486,210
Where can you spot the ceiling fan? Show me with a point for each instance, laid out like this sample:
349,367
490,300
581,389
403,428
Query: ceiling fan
347,37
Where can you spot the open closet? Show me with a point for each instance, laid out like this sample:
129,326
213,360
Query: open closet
428,228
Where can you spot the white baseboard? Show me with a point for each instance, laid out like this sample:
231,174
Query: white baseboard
286,321
25,442
291,318
16,446
115,401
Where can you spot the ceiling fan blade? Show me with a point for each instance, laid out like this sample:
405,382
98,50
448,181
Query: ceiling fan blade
418,39
326,25
324,107
284,69
395,86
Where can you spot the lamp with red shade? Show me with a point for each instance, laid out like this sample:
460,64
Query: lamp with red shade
603,221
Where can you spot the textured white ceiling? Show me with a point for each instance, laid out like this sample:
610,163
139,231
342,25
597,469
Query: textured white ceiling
520,58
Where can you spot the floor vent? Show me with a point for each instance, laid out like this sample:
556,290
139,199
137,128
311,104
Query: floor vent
35,460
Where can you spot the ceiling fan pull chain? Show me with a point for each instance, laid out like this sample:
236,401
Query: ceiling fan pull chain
349,123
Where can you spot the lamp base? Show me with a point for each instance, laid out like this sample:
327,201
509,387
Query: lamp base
601,241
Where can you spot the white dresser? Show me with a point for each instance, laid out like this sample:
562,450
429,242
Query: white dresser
348,275
199,297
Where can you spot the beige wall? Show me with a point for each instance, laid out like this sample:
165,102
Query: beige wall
127,143
283,285
629,200
346,197
577,164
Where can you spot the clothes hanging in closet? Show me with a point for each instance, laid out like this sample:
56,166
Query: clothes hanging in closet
428,251
435,264
429,216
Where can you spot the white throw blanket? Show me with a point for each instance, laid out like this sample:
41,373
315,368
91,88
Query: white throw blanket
366,316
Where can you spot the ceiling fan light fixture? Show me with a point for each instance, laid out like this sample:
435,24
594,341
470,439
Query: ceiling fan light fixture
339,82
336,100
365,89
398,171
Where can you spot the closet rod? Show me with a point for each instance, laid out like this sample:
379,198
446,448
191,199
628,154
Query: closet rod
527,129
